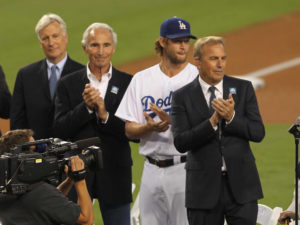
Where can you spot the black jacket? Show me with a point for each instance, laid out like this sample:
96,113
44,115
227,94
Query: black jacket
194,134
32,107
73,122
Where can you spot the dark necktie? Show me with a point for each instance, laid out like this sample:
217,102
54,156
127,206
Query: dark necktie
212,97
52,81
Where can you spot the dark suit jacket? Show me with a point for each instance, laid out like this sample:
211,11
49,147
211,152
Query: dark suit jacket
5,96
194,134
32,107
73,122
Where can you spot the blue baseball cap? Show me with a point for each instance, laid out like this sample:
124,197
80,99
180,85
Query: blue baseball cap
175,27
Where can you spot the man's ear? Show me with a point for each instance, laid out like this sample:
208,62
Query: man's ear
197,62
84,48
162,42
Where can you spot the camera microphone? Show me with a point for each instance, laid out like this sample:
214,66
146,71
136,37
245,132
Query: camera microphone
77,145
81,144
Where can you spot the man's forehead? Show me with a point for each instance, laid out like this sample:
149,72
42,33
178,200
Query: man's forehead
212,47
100,33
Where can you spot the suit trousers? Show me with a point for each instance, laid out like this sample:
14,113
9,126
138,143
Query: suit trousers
226,208
115,214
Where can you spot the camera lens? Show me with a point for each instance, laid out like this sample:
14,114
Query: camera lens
92,158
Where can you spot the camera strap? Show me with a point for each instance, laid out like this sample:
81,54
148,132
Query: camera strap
78,175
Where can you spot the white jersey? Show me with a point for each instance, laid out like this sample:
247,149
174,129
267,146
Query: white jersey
152,85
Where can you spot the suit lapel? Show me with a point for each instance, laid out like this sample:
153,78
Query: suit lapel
85,78
45,81
112,90
67,67
225,88
198,100
229,87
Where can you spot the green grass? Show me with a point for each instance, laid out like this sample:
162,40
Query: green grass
137,23
275,157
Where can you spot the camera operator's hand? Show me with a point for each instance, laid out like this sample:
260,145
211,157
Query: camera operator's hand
78,171
84,200
76,163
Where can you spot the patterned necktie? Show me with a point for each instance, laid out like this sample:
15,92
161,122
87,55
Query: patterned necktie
53,81
212,97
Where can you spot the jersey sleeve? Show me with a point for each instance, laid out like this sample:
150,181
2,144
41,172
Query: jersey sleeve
129,109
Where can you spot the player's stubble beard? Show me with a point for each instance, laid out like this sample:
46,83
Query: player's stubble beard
174,59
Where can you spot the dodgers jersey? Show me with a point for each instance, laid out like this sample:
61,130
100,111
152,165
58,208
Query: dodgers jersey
152,85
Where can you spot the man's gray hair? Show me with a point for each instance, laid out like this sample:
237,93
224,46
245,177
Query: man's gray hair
91,31
198,46
46,20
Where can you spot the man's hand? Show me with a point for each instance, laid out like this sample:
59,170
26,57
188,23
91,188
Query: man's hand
215,119
90,96
76,163
102,113
225,108
286,215
160,112
160,126
135,130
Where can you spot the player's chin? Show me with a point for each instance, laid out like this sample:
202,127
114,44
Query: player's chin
181,59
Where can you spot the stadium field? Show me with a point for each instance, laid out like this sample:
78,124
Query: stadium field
258,34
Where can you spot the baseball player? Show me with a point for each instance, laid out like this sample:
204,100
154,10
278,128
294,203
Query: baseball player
146,109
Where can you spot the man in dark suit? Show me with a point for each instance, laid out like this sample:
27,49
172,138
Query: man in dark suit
85,105
214,118
32,103
5,96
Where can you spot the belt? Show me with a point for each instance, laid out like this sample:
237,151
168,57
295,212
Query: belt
166,162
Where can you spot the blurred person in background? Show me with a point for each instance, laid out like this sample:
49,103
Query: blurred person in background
5,97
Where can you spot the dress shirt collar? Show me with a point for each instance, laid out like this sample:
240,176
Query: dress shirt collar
205,86
60,65
90,75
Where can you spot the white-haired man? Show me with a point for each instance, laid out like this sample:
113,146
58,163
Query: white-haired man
34,91
85,105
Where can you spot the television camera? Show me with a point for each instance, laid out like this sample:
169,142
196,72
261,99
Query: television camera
20,168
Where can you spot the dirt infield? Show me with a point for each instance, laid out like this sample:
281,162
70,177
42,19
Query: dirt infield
254,48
